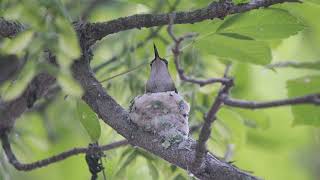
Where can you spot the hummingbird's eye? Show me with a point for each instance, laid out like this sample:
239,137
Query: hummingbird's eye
165,61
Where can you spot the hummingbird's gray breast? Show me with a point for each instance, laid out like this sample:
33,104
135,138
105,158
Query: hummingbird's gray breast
160,80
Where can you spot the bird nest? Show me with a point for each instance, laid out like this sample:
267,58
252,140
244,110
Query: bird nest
164,114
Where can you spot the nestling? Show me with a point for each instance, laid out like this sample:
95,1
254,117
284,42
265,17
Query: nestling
160,79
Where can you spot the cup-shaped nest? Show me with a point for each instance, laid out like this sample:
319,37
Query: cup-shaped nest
164,113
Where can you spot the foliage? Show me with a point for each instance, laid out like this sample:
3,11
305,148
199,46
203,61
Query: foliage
249,40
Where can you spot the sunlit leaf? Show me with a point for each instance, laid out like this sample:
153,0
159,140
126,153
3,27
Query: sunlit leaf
69,85
179,177
89,120
16,87
240,1
247,51
305,114
263,24
17,44
314,1
153,170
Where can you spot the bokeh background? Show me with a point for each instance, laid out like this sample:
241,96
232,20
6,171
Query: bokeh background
273,143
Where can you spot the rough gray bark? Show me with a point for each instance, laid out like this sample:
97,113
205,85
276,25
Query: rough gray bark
10,28
10,111
118,118
107,108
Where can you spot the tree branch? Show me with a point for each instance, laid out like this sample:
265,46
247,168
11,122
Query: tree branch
176,56
10,29
308,99
296,64
118,118
96,31
9,111
152,34
205,132
53,159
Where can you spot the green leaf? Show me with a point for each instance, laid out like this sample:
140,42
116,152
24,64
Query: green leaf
16,88
179,177
314,1
69,85
255,119
131,157
240,1
263,24
248,51
234,125
297,65
153,170
146,3
305,114
89,120
17,44
68,40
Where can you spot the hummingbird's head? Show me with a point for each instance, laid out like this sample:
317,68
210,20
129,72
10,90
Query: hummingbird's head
158,61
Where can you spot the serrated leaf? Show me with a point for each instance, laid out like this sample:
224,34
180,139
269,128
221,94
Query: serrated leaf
17,44
153,170
89,120
247,51
68,40
69,85
263,24
16,88
305,114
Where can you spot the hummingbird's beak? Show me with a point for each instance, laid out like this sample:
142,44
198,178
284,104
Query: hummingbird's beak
156,54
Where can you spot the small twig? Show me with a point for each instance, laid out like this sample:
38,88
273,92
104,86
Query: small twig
210,117
295,64
153,34
205,132
59,157
176,55
125,72
308,99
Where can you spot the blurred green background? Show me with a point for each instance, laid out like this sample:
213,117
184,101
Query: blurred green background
276,143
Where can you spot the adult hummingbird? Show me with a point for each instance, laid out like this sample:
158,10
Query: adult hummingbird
160,79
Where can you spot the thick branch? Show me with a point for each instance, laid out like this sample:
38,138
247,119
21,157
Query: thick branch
308,99
9,111
53,159
152,34
10,66
97,31
118,118
10,28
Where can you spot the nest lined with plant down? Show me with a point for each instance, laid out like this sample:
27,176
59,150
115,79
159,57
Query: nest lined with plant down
164,114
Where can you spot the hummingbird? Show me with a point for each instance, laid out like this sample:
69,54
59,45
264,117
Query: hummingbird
160,79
